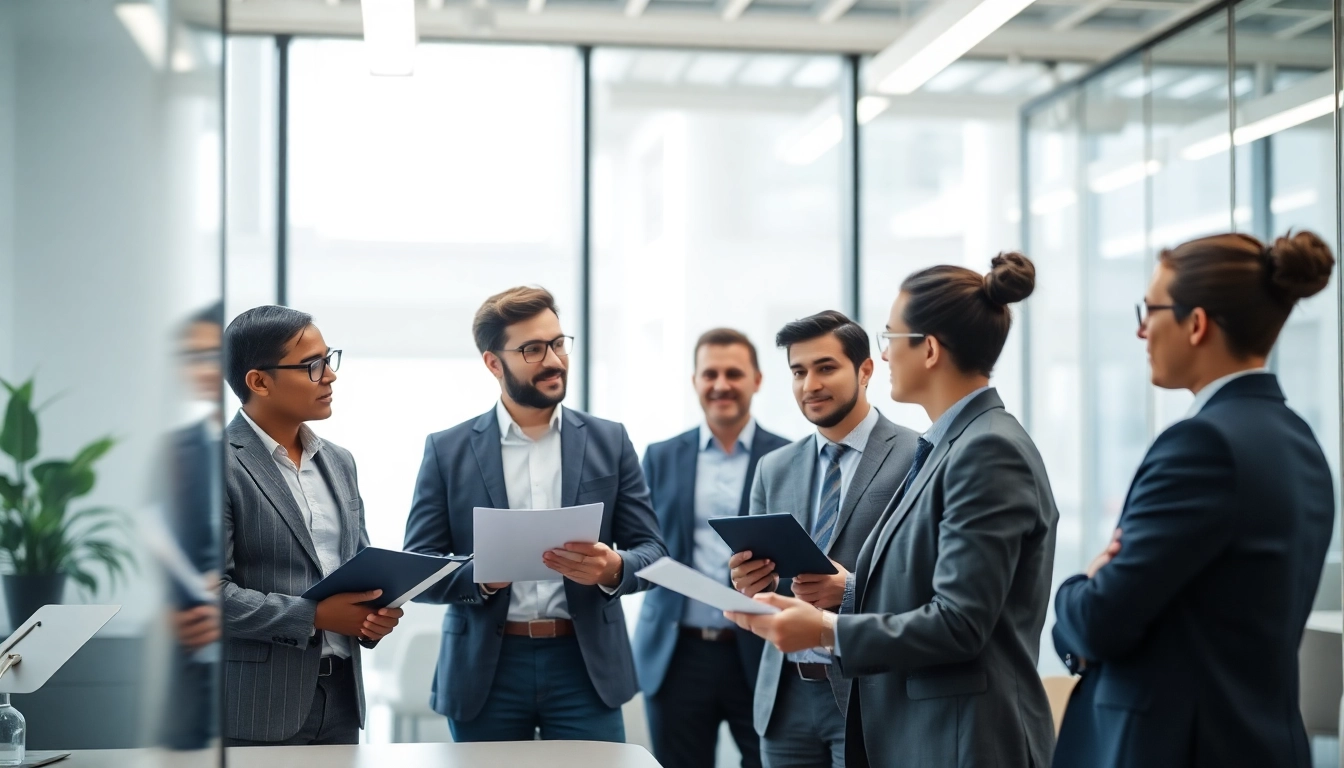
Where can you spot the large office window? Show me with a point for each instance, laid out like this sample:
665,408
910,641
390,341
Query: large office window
716,189
411,201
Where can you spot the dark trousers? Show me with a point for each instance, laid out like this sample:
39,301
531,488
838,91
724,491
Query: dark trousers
541,683
333,718
806,729
705,685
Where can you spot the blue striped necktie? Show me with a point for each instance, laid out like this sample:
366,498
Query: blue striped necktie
828,510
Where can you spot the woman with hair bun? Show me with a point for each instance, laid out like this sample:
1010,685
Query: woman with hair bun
951,590
1186,627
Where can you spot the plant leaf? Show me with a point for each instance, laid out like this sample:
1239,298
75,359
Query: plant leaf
18,434
93,452
11,493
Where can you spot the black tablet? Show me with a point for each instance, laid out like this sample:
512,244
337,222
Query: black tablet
776,537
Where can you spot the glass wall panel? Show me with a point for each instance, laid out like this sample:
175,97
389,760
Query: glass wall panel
939,186
1116,271
412,200
716,202
253,131
110,286
1191,184
1055,320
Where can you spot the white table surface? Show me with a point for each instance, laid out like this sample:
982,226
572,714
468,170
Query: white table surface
1326,621
512,754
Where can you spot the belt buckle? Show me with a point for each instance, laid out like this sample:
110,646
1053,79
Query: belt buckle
532,628
798,665
325,667
709,634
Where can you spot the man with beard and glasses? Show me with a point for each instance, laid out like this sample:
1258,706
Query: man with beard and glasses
548,656
837,483
697,670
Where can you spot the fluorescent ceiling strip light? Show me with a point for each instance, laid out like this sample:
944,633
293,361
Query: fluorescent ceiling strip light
1292,201
635,8
870,107
1053,202
940,37
147,29
1123,177
389,36
834,10
735,9
1305,101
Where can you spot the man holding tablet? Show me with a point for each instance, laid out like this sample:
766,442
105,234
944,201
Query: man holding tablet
836,483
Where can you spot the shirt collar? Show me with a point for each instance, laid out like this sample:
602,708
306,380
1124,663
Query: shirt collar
939,429
744,438
1206,394
857,439
506,422
307,437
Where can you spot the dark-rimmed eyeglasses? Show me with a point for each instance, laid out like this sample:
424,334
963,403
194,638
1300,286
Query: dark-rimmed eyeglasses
884,339
535,351
1143,310
316,368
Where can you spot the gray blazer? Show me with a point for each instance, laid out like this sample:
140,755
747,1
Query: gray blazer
951,595
784,483
271,653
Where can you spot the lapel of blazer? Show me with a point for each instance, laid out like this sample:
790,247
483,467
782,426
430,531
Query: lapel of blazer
261,467
900,509
573,440
341,483
485,445
683,502
796,488
874,454
762,444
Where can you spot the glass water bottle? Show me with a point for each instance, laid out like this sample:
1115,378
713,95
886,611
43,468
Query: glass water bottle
13,733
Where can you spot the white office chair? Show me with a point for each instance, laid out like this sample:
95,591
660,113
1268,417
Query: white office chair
404,687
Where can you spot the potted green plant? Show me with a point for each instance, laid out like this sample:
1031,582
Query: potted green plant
41,542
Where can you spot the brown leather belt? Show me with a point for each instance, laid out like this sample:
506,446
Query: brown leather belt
540,628
811,672
714,635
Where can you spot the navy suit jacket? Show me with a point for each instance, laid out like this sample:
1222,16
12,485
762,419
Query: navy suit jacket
1191,633
462,470
670,467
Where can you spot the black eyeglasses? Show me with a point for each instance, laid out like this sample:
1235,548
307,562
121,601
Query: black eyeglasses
535,351
315,368
1143,310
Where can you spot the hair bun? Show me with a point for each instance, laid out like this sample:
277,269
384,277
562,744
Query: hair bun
1299,265
1011,278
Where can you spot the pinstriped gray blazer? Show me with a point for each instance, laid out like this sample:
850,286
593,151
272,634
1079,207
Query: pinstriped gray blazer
271,654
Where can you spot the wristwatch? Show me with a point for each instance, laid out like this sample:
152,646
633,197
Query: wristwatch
828,631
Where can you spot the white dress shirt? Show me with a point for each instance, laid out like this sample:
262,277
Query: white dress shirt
532,479
319,508
1212,388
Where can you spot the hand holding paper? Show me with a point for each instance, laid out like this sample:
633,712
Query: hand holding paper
513,544
697,586
792,626
587,564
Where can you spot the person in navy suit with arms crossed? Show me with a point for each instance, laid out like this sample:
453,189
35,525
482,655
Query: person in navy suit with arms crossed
1186,627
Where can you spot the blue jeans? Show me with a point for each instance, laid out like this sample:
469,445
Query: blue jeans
541,683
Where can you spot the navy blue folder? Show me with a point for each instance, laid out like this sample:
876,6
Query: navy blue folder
401,575
776,537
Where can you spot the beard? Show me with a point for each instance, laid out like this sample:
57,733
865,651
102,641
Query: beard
526,392
836,416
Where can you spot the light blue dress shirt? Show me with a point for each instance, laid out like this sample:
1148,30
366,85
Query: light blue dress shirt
856,441
719,481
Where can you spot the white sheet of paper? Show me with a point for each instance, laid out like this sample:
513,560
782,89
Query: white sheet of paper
510,542
697,586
